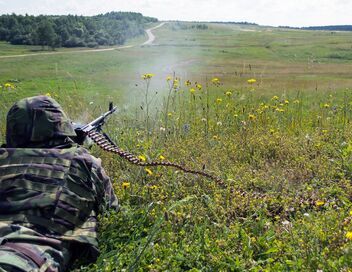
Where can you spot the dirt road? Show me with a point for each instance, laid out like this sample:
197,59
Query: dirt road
151,36
150,40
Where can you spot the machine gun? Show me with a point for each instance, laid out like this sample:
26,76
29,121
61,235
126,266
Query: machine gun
82,131
93,130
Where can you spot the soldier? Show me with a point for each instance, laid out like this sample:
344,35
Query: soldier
51,191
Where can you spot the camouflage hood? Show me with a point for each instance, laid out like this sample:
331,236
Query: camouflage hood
37,121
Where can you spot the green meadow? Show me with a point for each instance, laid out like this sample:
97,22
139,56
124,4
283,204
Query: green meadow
267,110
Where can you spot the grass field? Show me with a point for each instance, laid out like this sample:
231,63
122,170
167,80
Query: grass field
281,142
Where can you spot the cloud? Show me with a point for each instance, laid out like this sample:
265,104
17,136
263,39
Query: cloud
268,12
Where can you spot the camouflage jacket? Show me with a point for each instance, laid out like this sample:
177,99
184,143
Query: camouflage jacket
54,194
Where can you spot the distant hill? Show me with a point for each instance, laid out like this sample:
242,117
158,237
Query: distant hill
112,28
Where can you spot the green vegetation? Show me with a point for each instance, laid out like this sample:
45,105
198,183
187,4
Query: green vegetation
72,31
281,142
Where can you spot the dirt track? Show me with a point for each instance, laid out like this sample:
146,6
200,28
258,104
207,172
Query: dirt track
150,40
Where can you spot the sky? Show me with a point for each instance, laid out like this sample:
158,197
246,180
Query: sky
265,12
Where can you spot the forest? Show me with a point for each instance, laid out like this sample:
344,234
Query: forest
108,29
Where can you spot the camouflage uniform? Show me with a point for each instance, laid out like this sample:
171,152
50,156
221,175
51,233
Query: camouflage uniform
51,191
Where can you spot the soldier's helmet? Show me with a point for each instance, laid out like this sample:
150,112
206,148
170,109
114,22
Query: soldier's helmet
37,119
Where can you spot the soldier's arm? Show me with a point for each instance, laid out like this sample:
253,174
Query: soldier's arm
107,194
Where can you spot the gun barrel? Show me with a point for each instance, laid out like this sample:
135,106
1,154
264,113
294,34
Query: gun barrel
98,121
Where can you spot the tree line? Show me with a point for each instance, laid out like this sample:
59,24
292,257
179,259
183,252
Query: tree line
326,28
112,28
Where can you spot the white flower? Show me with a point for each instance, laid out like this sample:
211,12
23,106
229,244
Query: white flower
162,129
286,223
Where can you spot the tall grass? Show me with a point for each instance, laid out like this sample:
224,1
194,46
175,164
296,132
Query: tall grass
285,159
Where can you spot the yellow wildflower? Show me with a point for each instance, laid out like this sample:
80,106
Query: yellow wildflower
279,110
228,93
199,86
168,78
215,81
349,235
350,212
188,83
251,81
48,94
125,185
287,102
219,100
9,86
275,97
216,137
153,187
142,158
161,157
149,172
296,101
147,76
169,114
319,203
251,117
192,90
326,105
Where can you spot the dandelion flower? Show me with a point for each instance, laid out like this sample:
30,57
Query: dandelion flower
149,172
192,90
142,158
199,86
161,157
251,81
349,235
319,203
125,185
228,93
188,83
